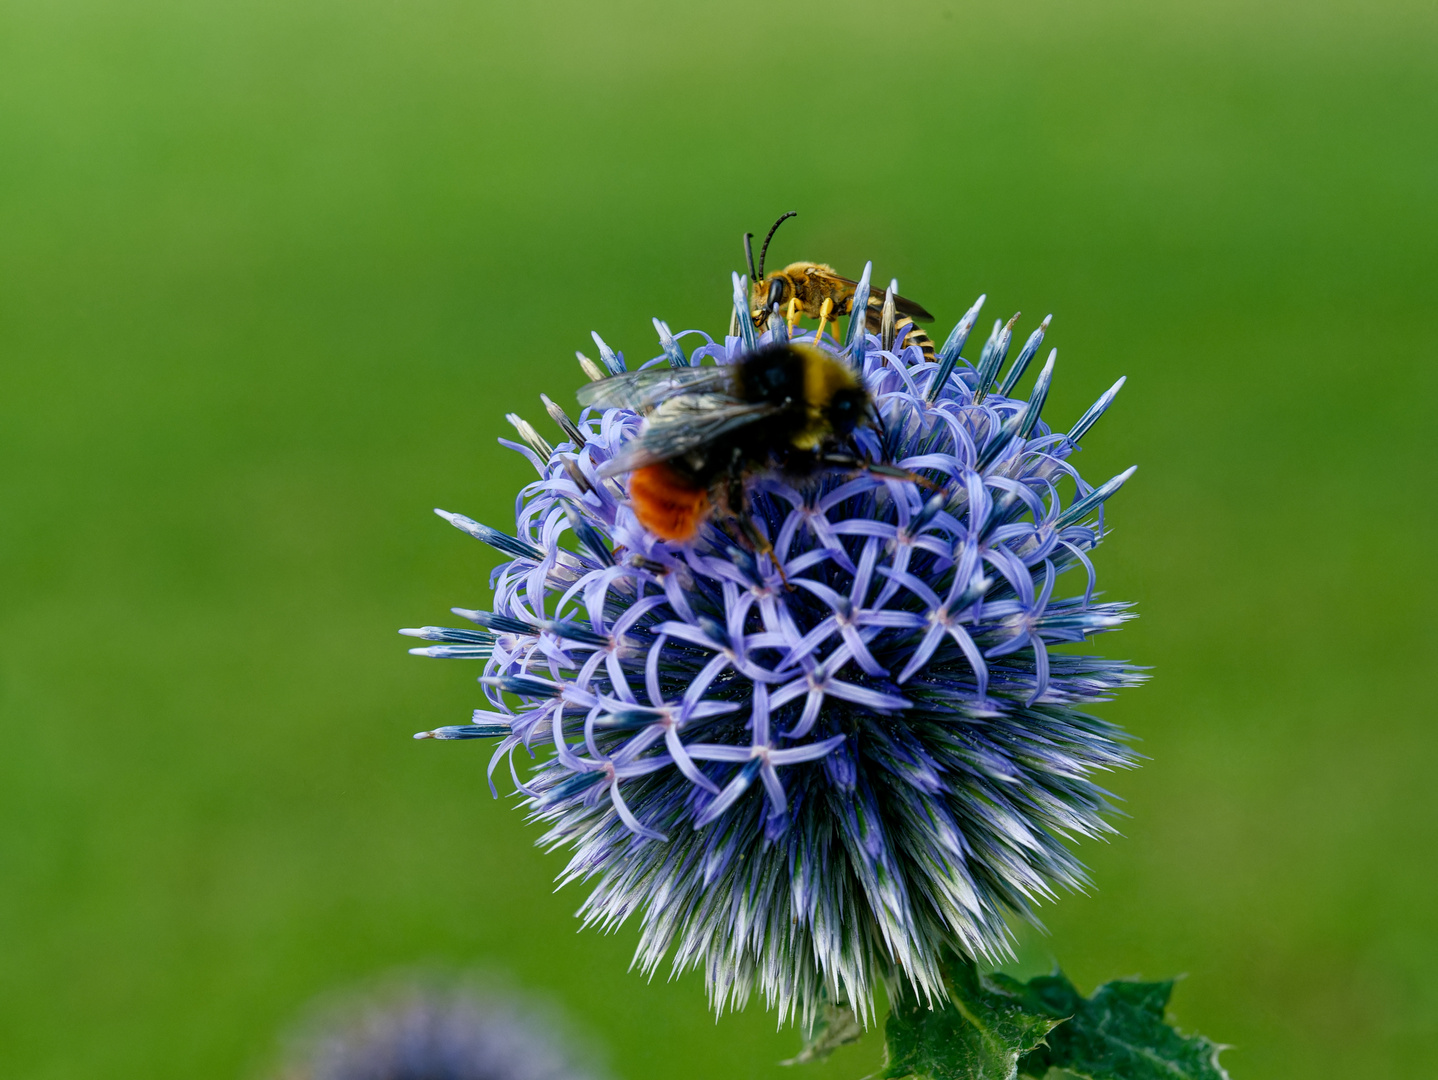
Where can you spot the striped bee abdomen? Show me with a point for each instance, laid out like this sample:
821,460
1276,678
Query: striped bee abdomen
917,335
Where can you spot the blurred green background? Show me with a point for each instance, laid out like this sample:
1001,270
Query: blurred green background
272,272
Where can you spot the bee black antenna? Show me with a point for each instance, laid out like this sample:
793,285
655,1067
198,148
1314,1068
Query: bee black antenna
773,229
749,254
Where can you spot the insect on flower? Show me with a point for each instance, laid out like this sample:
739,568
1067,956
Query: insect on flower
817,291
790,407
807,792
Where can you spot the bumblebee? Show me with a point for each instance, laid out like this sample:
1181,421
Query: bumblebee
816,291
787,408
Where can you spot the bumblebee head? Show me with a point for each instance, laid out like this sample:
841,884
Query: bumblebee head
836,401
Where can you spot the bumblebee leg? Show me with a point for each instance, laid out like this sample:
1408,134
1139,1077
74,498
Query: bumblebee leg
729,499
879,468
734,501
759,543
750,535
792,318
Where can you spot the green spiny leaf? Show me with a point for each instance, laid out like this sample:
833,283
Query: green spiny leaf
1117,1034
978,1034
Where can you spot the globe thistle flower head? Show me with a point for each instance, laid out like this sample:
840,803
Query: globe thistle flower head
813,771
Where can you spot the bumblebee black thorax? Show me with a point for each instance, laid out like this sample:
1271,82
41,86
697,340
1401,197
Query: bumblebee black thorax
816,400
774,376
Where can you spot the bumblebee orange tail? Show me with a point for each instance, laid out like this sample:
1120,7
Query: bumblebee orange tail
666,503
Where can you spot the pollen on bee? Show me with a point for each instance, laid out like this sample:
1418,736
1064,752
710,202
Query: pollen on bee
666,504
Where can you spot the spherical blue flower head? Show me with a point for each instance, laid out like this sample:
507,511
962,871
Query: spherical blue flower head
432,1032
810,781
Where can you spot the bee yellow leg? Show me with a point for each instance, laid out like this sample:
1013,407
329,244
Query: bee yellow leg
824,313
793,316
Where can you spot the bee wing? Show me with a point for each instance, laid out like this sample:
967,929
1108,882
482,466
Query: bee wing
913,310
641,390
684,424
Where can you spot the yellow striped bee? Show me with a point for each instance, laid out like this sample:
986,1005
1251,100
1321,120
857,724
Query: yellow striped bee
817,291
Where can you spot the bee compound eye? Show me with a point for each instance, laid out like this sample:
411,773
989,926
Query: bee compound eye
776,293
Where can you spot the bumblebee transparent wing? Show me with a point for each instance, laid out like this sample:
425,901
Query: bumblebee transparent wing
642,390
682,425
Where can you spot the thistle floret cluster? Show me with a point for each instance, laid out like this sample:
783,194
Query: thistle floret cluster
813,772
423,1029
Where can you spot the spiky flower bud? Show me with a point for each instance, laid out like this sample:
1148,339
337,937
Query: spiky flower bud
810,773
431,1031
